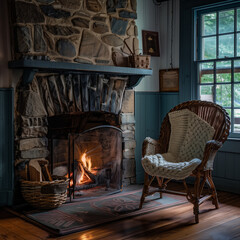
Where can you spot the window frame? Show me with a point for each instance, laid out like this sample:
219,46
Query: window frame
198,36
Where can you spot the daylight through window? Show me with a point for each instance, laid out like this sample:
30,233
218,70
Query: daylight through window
218,60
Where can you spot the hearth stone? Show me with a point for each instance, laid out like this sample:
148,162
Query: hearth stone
118,26
26,144
112,5
71,4
46,1
28,13
127,14
134,5
100,27
31,132
23,42
61,30
112,40
93,5
127,118
129,168
81,22
99,18
39,41
66,48
50,11
35,153
29,101
91,46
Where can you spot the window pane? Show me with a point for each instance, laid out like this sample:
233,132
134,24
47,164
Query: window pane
238,19
236,95
223,71
229,111
226,46
223,95
237,120
209,48
226,21
237,71
238,44
209,24
206,93
206,73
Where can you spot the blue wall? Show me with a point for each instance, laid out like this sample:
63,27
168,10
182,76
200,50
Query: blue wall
150,109
6,146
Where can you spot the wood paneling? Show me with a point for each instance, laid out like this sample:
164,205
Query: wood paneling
150,109
6,146
147,116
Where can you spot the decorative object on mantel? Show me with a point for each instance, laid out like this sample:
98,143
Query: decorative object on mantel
150,43
169,80
138,61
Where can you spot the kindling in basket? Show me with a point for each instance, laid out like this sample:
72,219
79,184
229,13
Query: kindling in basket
45,194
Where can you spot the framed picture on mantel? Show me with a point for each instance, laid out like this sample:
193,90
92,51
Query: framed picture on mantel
150,43
169,80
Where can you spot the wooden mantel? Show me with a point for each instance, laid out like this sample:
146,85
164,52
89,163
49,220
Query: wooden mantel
31,67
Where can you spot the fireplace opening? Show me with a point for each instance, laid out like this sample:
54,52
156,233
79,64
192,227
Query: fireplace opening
91,158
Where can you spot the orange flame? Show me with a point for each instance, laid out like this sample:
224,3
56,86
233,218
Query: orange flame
87,163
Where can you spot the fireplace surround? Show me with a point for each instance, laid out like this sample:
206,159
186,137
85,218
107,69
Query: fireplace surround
66,50
56,101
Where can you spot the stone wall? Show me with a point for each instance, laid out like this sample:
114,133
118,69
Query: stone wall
55,95
81,31
129,142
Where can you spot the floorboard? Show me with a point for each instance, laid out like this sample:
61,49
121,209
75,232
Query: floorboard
175,223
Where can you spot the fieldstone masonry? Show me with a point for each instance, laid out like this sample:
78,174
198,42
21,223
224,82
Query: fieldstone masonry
82,31
51,95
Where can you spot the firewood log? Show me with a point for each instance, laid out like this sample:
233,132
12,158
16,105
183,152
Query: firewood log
35,171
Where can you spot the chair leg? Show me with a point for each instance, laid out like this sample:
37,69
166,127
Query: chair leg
147,182
196,198
213,189
160,184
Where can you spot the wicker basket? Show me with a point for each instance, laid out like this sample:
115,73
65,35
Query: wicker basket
46,194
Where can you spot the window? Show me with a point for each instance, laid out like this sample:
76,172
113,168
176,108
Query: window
218,60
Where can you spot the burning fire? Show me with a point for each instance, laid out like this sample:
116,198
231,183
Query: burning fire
84,172
84,163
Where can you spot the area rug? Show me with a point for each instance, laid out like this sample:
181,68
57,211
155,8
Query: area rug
82,215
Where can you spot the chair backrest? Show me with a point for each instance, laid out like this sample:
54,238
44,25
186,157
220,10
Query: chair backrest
212,113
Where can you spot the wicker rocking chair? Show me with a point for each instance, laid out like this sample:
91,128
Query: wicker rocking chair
159,160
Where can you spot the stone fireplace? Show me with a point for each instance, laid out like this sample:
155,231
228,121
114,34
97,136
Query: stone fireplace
70,87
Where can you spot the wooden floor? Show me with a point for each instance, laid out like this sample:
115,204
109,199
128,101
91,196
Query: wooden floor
174,223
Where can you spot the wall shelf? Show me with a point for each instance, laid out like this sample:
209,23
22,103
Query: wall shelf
31,67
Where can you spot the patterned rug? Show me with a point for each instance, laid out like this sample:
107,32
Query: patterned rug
82,215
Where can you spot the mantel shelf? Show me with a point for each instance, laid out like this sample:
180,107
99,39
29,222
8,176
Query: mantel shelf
31,67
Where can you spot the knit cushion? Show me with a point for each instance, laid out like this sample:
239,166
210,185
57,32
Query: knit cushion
179,128
198,133
158,165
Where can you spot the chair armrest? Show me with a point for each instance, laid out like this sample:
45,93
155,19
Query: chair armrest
150,146
210,152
